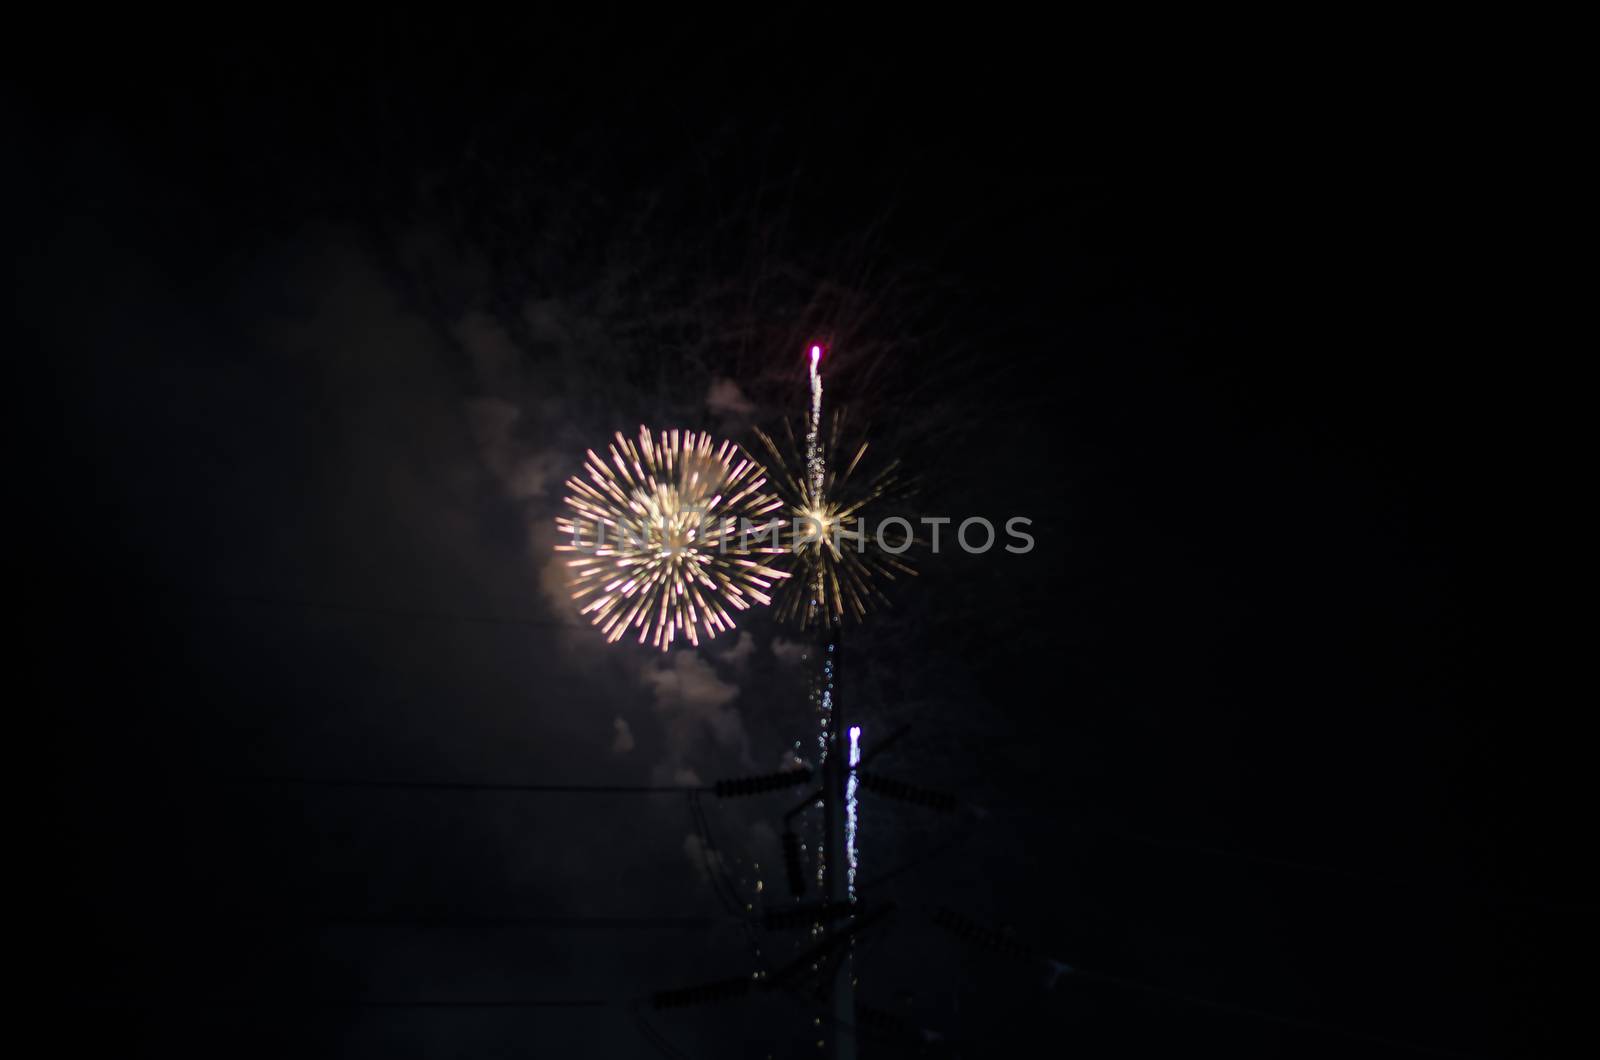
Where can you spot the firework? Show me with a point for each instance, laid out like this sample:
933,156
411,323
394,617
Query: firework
837,564
664,535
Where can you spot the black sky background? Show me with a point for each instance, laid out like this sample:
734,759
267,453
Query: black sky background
1267,720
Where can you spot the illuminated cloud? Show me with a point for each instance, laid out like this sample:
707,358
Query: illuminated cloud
726,399
622,740
788,652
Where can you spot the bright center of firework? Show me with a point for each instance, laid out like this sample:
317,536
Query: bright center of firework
821,525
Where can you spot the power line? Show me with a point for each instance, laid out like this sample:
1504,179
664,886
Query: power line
436,785
1436,888
774,781
1269,1017
446,920
408,613
734,788
655,1038
339,1003
1005,943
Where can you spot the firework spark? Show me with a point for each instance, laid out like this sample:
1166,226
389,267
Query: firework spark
837,563
664,532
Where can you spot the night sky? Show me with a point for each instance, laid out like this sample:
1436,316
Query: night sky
1265,735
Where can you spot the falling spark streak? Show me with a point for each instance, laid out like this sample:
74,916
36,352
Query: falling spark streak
838,564
850,810
667,531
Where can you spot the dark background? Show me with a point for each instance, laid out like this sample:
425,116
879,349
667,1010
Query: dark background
1267,732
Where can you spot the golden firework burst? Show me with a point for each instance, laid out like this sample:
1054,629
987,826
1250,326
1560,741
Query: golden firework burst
668,538
836,563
